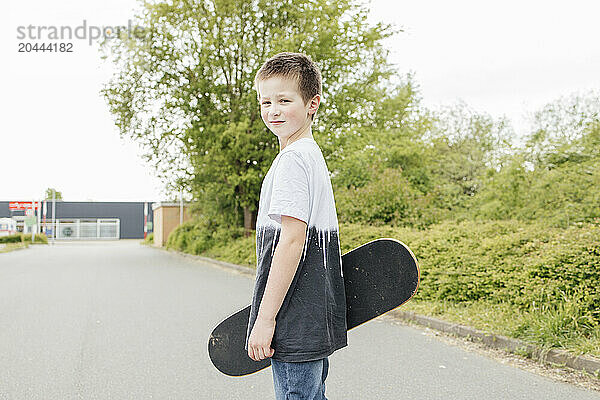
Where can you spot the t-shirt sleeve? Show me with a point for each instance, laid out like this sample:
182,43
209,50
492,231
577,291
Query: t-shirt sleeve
290,194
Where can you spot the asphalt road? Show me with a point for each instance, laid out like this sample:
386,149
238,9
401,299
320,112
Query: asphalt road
118,320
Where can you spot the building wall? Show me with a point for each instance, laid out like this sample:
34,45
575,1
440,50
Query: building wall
130,214
166,217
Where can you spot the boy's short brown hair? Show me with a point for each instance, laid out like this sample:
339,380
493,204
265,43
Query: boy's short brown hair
296,66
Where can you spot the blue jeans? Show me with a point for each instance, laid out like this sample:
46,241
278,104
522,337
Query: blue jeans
300,380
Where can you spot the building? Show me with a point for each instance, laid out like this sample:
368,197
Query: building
167,217
8,226
82,220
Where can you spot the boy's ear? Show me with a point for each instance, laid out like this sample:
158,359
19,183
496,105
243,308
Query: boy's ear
314,104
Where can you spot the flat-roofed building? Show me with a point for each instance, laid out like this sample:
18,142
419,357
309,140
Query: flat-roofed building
83,220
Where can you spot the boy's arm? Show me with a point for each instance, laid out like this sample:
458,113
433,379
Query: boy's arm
283,268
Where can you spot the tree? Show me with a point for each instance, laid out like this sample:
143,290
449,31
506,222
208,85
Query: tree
184,89
555,177
48,194
565,130
390,137
463,145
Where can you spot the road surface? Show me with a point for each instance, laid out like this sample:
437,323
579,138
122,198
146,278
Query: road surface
119,320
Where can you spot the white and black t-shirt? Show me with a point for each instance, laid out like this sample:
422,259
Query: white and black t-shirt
311,323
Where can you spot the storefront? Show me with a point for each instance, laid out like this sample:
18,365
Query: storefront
8,226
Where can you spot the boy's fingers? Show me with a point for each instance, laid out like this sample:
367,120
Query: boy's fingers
268,351
258,353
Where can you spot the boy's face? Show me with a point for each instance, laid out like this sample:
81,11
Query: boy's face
282,108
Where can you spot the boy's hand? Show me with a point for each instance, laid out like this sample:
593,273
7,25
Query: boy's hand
259,343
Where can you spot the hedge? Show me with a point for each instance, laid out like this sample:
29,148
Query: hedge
21,238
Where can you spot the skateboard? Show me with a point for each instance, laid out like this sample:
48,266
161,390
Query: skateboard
378,276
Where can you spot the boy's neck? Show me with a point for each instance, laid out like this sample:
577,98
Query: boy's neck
305,134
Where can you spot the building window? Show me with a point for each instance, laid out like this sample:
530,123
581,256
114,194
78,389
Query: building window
86,229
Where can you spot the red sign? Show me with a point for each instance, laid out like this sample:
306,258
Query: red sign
22,205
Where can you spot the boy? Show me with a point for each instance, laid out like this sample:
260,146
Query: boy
298,313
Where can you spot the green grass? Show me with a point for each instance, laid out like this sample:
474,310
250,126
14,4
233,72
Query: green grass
555,328
13,246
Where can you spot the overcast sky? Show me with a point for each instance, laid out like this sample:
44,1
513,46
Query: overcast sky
503,58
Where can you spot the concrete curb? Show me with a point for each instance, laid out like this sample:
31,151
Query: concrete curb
250,272
553,356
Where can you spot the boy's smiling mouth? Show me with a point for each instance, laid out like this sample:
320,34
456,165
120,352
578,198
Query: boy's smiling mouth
276,122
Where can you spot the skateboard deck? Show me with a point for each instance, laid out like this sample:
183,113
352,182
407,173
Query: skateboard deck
378,276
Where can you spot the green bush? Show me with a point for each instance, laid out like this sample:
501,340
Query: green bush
39,238
149,238
11,238
201,234
22,238
241,251
559,196
387,199
529,266
522,279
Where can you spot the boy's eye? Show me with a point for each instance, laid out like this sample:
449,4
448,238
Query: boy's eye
266,103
